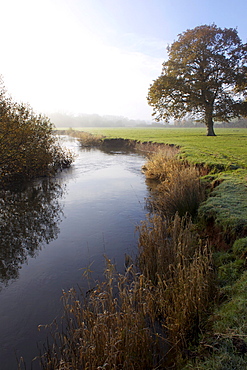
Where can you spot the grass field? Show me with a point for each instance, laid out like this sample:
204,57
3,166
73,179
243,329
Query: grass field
228,149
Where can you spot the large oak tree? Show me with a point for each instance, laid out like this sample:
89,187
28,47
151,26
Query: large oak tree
205,76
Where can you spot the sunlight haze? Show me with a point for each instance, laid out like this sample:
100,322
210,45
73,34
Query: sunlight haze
97,56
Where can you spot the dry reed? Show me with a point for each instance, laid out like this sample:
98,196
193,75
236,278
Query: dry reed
86,139
179,189
111,327
173,257
135,320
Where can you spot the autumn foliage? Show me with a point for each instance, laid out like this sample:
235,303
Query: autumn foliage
28,148
204,77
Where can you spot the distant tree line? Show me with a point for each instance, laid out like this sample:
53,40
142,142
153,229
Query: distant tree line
237,123
93,120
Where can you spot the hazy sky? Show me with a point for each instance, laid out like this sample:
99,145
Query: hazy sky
98,56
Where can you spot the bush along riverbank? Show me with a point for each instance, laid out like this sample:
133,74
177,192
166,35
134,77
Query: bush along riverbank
28,147
182,303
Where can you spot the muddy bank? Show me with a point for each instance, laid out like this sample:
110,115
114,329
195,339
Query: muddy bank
121,144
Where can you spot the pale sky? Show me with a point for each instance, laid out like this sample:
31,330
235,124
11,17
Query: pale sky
98,56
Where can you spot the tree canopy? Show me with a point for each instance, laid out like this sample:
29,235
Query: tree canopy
205,77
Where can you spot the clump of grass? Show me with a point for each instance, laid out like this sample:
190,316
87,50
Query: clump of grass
161,164
175,260
86,139
179,186
240,248
153,147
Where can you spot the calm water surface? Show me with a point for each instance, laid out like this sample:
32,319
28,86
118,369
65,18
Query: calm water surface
52,230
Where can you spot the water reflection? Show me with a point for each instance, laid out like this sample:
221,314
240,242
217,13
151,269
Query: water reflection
28,219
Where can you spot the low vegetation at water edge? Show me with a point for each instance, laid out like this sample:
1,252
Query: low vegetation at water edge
136,320
28,148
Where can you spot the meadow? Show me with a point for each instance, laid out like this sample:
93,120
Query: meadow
227,150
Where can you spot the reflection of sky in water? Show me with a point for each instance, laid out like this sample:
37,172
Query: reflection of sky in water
110,182
103,203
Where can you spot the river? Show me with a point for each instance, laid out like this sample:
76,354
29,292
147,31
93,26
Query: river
52,230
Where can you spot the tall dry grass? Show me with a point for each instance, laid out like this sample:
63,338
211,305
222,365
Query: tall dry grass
162,163
86,139
174,258
138,319
179,188
111,327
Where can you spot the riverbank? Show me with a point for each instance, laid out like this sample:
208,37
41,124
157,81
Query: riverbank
222,218
219,330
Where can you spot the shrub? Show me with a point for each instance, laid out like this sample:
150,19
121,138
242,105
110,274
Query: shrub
28,147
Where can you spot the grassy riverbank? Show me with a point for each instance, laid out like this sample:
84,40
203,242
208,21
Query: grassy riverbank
190,298
224,159
222,219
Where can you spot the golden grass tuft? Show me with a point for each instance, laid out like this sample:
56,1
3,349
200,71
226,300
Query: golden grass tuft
86,139
179,188
161,164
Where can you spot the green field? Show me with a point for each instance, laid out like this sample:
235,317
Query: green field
228,149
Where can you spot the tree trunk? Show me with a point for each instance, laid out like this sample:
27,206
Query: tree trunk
210,129
209,122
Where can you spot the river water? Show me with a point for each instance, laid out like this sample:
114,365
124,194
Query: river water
52,230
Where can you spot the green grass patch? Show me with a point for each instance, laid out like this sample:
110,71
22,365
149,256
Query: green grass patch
227,206
226,347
